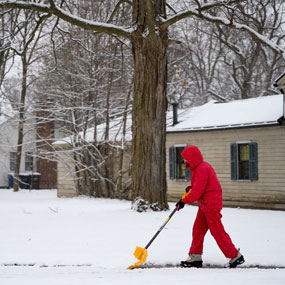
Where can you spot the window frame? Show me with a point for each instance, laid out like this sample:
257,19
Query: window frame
174,164
12,161
243,164
29,161
252,161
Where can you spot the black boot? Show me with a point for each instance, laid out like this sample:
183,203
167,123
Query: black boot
194,260
234,262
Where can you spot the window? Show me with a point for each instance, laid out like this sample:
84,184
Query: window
176,164
243,161
12,161
244,164
29,161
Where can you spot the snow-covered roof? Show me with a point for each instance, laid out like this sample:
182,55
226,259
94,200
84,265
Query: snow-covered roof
115,133
213,115
240,113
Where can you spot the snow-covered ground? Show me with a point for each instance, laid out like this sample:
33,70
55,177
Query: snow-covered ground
100,235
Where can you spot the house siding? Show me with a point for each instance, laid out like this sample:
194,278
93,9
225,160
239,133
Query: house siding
65,181
267,192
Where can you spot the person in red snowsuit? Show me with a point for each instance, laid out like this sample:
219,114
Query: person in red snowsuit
207,191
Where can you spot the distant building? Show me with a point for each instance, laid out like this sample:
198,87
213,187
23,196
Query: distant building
67,172
35,172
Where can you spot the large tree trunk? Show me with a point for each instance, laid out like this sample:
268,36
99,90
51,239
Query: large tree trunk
149,122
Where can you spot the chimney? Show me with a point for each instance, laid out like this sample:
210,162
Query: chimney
280,84
175,113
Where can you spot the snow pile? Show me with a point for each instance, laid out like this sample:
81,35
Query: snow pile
91,241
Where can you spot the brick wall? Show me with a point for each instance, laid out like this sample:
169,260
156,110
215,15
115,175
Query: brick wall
45,136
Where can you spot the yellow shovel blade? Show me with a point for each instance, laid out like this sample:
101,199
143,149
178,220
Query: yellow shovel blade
141,254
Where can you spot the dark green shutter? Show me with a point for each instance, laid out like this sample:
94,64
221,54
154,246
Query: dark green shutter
234,161
187,174
253,163
172,163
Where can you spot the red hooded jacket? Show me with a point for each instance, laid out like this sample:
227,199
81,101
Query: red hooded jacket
206,188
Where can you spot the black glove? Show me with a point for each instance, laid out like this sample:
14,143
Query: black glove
180,205
188,188
186,164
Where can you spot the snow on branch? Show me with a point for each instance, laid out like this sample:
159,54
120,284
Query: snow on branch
215,4
197,11
72,19
200,13
254,34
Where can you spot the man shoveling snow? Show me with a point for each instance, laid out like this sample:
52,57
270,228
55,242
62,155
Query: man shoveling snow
207,191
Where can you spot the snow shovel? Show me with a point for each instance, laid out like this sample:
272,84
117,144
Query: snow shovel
140,252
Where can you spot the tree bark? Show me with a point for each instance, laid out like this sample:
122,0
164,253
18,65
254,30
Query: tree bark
21,125
149,120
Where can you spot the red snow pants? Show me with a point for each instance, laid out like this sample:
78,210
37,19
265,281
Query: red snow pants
211,220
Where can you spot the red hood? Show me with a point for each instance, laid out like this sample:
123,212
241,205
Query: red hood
193,155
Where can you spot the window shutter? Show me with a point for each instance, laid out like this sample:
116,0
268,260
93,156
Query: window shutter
234,161
188,174
171,163
253,163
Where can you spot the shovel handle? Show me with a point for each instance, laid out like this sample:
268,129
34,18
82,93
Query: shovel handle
161,228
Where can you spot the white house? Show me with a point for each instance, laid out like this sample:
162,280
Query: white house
8,143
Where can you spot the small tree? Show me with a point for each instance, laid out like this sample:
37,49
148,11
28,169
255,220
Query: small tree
8,28
23,44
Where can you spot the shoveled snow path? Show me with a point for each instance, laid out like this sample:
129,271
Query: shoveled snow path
100,275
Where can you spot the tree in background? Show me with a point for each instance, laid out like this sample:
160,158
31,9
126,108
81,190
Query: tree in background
8,28
252,67
223,64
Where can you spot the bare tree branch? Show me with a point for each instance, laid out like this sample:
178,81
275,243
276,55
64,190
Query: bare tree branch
225,22
117,8
72,19
195,12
